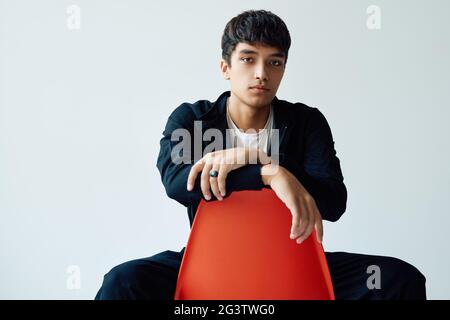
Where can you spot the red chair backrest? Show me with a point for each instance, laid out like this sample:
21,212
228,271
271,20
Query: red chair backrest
240,249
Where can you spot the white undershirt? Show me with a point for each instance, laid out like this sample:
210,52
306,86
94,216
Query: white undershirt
258,139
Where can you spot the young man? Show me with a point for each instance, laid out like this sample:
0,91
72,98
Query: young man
308,178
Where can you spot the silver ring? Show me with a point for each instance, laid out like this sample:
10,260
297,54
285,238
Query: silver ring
213,173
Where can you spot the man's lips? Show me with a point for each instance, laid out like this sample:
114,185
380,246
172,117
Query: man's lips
259,87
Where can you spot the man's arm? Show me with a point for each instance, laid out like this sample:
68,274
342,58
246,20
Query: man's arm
285,182
320,173
175,176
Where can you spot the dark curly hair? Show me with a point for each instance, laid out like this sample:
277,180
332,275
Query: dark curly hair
255,26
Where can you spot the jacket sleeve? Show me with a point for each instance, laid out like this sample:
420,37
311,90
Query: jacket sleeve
321,172
174,174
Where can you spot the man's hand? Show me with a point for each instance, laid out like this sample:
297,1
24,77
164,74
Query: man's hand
305,214
223,162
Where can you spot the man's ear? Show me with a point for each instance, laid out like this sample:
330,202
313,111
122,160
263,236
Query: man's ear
224,68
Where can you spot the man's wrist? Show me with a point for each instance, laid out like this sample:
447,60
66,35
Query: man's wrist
268,171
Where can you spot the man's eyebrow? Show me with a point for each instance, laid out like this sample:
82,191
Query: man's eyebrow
277,54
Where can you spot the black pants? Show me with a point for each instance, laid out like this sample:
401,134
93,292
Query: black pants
155,277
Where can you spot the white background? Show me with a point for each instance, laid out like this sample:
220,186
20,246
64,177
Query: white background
82,112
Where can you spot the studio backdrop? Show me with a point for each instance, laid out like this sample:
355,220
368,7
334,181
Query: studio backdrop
87,87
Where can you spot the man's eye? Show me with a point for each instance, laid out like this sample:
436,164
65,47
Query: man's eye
244,59
277,63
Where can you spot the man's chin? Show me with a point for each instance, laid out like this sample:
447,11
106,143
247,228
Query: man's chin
256,100
259,102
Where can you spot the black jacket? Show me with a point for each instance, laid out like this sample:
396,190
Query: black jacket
306,149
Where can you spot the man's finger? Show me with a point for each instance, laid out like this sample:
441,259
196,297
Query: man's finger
221,179
312,213
304,219
307,232
295,222
193,173
213,182
310,207
204,183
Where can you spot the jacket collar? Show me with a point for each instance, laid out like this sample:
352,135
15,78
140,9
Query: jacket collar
216,117
217,113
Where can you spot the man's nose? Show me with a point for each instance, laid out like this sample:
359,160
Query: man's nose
261,72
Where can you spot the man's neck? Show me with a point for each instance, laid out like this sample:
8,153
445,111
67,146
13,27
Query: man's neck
246,117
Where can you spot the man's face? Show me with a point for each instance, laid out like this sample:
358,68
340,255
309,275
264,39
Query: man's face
253,65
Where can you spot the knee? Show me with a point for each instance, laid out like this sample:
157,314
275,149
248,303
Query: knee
120,280
409,273
404,274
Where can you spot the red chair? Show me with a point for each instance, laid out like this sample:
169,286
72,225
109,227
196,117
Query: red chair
240,249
